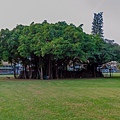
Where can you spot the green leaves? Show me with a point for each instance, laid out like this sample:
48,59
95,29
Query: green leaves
59,40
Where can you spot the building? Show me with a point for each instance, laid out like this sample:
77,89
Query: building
6,68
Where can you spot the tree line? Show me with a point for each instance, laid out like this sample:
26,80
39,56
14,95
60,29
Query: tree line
46,49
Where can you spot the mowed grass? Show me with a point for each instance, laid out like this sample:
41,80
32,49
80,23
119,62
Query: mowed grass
79,99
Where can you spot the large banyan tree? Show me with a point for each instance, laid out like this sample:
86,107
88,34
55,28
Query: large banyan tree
47,51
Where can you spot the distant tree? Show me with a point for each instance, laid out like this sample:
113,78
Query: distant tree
97,24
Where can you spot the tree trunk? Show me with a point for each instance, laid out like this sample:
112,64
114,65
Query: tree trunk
15,71
56,72
24,71
110,71
41,73
94,70
50,76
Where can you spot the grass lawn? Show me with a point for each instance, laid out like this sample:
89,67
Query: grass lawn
80,99
2,76
116,74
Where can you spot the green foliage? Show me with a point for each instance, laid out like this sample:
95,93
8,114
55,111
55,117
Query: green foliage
118,66
97,24
34,43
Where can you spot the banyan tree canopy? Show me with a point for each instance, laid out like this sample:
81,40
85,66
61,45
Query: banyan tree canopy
45,50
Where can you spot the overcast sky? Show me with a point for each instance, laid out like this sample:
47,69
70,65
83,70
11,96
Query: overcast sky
13,12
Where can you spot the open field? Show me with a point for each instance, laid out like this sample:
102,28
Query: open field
80,99
112,74
116,74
